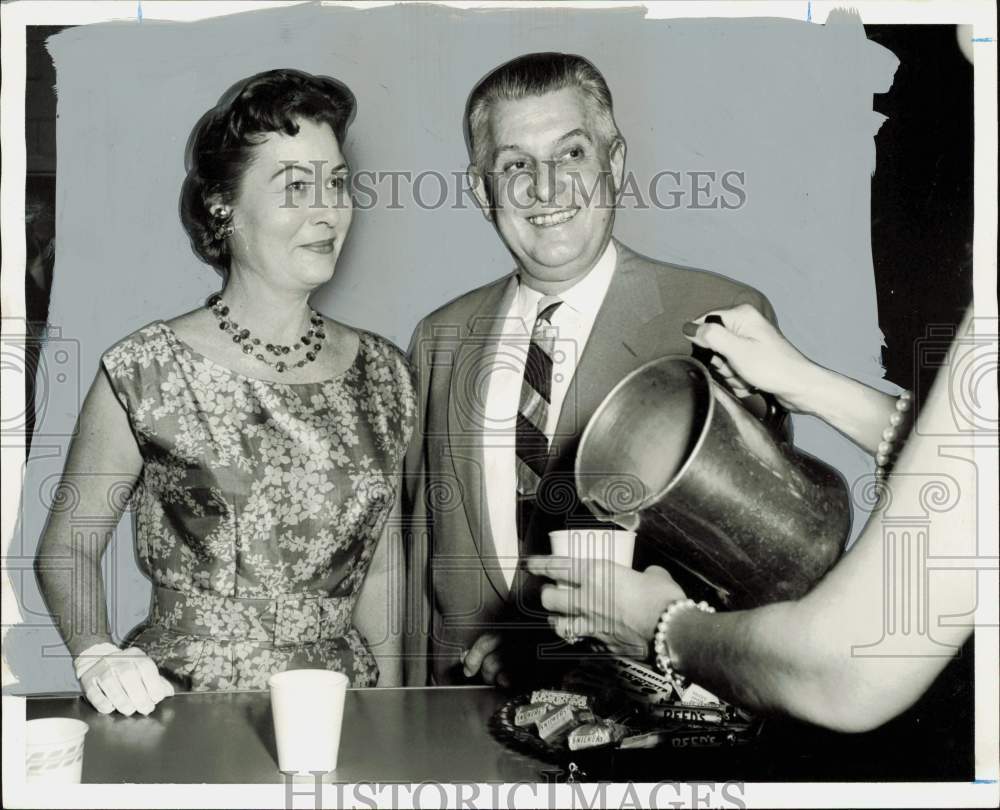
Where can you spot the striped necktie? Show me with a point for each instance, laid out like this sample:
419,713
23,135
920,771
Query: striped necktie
532,443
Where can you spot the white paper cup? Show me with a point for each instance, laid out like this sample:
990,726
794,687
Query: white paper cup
307,706
54,750
616,545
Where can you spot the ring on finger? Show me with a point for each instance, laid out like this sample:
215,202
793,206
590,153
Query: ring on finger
565,631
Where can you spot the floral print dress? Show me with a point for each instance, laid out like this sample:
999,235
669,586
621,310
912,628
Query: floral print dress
259,507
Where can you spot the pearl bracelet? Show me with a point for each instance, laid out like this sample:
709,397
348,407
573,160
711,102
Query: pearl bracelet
660,647
898,428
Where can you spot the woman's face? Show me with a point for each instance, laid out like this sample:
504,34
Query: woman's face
292,210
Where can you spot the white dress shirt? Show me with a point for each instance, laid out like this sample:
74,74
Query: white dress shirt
573,322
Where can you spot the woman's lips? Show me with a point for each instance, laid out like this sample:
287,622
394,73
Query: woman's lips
326,246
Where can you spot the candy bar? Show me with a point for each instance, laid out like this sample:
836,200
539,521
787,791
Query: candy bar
554,726
689,714
695,695
643,684
559,697
528,715
642,675
702,739
650,739
676,738
594,735
612,686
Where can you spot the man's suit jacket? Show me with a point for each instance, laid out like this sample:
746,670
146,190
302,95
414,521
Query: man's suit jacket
456,588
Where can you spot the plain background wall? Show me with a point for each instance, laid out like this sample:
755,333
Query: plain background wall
787,103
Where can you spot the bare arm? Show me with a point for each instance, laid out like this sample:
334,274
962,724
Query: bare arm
802,657
859,412
758,356
102,466
378,613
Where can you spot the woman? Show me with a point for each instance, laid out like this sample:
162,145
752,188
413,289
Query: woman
261,440
798,657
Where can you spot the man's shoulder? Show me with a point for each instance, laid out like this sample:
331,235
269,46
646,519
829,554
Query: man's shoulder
460,309
681,280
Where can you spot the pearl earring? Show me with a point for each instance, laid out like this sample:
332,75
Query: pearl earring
222,224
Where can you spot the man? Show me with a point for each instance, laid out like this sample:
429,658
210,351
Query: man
508,375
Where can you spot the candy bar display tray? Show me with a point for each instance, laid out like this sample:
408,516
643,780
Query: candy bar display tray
684,738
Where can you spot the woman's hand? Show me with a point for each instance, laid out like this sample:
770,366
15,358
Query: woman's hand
754,354
121,680
606,601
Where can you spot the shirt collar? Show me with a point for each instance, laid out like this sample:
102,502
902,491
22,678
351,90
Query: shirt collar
586,296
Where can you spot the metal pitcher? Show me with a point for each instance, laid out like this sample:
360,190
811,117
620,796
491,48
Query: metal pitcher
672,454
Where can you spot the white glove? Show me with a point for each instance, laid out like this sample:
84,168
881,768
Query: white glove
126,680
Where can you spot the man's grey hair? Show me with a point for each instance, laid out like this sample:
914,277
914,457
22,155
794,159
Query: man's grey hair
536,74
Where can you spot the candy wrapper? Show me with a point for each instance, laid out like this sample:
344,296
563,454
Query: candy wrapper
647,685
626,678
556,726
558,697
695,695
688,738
596,735
711,715
531,713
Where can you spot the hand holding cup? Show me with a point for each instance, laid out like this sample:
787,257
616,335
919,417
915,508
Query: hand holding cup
597,594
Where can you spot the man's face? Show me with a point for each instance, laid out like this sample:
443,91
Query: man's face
554,186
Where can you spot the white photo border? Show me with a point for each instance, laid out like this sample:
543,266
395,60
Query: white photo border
983,792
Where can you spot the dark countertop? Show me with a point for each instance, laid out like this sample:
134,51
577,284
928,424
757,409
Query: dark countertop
389,735
442,734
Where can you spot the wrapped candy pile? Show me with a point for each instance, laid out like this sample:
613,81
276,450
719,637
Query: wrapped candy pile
618,703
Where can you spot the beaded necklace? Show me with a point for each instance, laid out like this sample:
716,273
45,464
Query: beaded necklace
311,342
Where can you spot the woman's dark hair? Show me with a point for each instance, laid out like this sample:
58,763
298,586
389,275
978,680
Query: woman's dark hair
221,145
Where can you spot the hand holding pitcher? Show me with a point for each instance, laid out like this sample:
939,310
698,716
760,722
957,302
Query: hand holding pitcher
751,353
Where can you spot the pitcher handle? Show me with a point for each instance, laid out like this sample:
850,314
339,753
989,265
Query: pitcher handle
774,412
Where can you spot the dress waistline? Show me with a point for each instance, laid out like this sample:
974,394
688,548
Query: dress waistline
285,620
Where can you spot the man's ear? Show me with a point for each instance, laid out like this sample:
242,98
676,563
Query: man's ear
477,182
616,156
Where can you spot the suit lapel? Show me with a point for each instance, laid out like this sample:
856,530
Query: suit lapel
466,418
632,300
